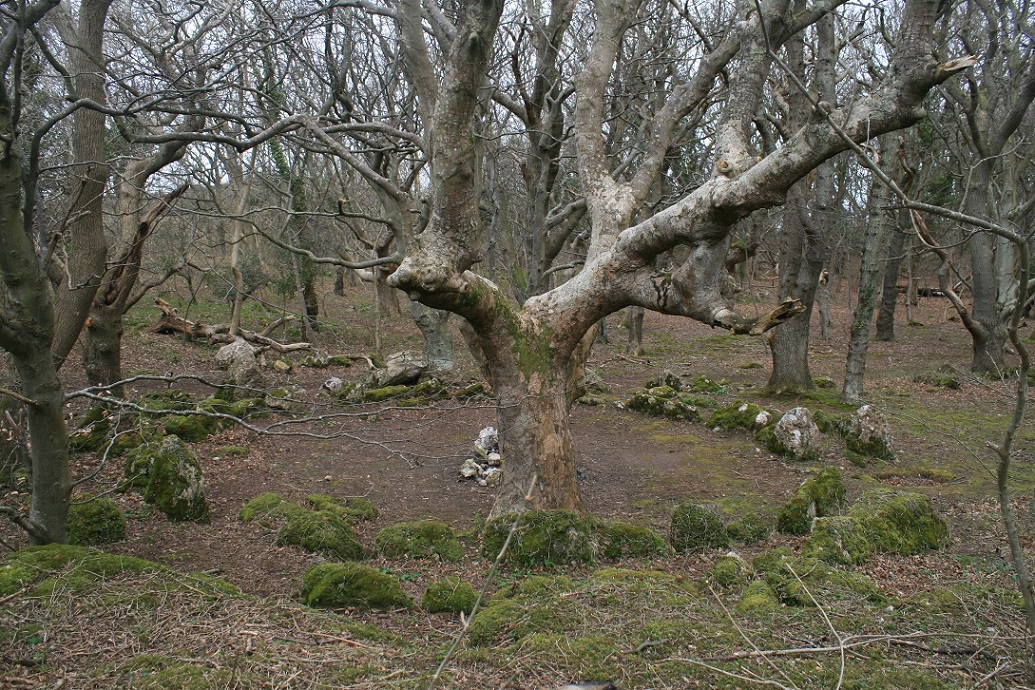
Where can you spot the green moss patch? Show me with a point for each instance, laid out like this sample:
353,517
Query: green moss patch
626,540
268,510
696,528
419,539
900,522
663,401
352,508
729,572
758,599
65,568
545,537
175,484
449,595
838,539
750,528
94,522
322,532
820,495
340,585
741,415
803,581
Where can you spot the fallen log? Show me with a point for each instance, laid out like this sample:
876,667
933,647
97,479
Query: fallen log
171,322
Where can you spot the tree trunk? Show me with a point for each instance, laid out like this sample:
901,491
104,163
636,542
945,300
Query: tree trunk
538,452
634,320
438,339
51,480
87,243
889,291
878,226
102,347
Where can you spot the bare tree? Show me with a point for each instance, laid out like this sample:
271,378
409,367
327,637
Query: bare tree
534,351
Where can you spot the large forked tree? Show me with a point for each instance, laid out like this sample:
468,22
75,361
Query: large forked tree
534,351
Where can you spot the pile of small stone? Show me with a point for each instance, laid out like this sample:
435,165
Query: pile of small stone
484,467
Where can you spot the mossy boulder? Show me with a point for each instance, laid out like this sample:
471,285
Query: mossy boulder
386,393
804,581
626,540
818,496
758,599
419,539
320,531
703,384
191,428
94,522
268,510
838,539
352,508
902,522
663,401
175,484
341,585
868,433
449,595
696,528
794,435
667,378
945,376
729,572
64,567
750,528
543,537
741,415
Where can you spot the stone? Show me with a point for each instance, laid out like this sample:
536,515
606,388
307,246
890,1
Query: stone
282,366
696,528
333,385
241,362
175,484
494,459
795,435
542,537
470,469
868,434
94,522
449,595
493,476
339,585
316,359
818,496
488,441
400,369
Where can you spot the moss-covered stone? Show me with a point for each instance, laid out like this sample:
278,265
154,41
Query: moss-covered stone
703,384
627,540
419,539
320,531
667,378
167,400
475,391
944,377
386,393
751,528
696,528
818,496
268,510
830,423
663,401
95,521
803,581
758,599
191,428
64,567
728,571
352,508
449,595
838,539
741,415
867,433
340,585
175,484
900,522
546,537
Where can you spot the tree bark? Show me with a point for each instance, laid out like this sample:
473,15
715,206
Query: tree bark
78,281
438,339
889,290
880,223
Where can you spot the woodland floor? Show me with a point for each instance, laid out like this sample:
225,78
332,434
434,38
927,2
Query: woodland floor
634,467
